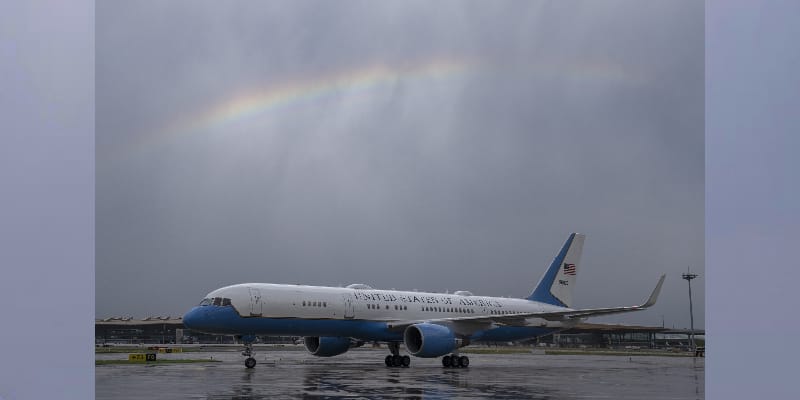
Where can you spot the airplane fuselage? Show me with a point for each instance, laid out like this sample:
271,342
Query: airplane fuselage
299,310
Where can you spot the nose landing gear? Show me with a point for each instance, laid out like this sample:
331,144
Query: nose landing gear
250,361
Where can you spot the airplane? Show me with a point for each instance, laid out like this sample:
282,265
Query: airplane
333,320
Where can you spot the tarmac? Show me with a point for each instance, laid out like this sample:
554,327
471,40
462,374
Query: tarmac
361,374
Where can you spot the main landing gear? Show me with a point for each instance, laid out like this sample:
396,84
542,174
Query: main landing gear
395,359
249,362
455,361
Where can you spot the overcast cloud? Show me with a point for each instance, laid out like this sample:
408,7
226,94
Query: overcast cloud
553,117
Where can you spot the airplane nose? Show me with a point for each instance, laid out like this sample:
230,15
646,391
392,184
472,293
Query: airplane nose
191,319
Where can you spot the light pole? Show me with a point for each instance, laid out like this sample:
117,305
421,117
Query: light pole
689,276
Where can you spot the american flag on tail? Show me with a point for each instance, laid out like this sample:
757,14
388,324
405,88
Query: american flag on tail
569,269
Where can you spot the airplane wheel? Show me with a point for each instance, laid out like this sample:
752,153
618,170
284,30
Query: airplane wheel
446,362
250,362
389,360
406,361
464,361
455,361
397,361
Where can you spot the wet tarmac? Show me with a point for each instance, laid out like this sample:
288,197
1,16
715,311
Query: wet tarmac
361,374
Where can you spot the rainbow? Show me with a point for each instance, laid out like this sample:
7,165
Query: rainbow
261,100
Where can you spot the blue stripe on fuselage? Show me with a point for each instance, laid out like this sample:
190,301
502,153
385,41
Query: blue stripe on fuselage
225,320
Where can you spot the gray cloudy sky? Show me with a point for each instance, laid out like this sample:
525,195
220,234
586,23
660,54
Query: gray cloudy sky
406,145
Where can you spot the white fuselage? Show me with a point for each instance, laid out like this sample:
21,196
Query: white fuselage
321,302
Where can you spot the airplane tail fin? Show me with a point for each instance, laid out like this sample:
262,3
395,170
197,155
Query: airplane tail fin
555,286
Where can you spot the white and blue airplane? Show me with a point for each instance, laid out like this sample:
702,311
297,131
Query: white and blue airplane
334,319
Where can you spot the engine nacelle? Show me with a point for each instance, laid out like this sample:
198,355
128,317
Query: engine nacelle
431,340
327,346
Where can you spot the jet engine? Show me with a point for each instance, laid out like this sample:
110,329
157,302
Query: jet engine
431,340
328,346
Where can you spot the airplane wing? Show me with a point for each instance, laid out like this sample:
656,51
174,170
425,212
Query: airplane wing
474,323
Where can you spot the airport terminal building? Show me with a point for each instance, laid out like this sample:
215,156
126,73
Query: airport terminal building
169,330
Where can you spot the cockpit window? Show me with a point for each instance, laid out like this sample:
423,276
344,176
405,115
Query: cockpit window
226,302
205,302
217,301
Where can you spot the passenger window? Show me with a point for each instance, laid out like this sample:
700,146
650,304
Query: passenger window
324,303
304,303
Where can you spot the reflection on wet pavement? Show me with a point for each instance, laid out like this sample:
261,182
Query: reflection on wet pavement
361,374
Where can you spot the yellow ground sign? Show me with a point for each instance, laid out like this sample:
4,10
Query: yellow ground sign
170,350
